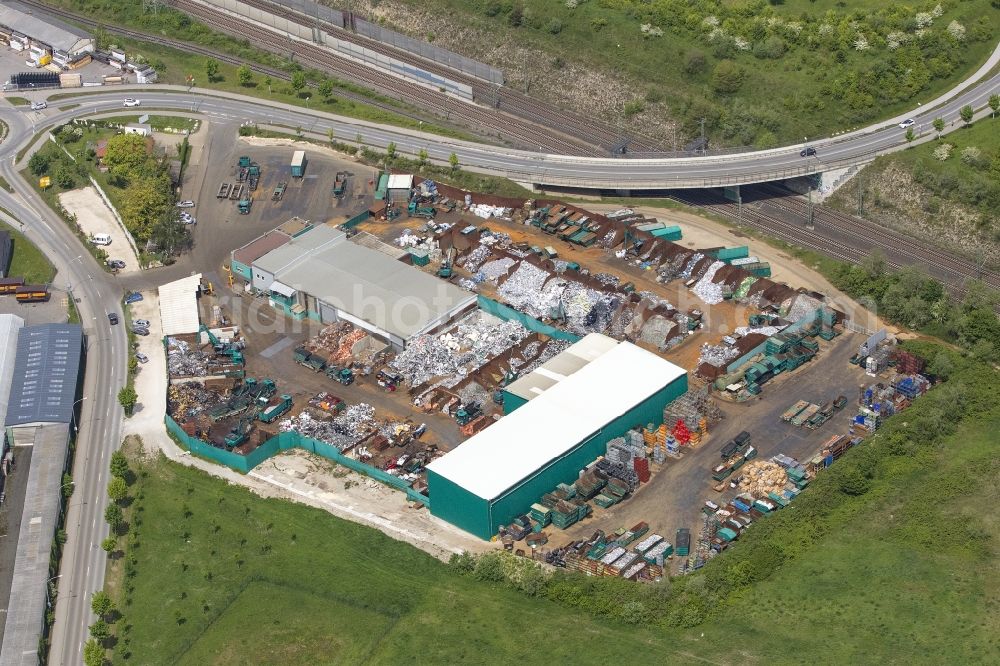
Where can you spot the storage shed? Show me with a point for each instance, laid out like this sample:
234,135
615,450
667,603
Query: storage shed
498,473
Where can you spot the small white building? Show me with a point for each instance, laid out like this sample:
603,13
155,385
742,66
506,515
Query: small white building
399,186
145,75
138,128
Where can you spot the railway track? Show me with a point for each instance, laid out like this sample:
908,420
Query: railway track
512,101
790,227
864,230
487,121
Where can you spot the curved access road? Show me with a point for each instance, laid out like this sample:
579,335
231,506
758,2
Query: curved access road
96,294
543,169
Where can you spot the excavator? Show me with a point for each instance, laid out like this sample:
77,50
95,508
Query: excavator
230,349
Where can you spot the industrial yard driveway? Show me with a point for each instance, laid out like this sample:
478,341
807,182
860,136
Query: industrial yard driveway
94,217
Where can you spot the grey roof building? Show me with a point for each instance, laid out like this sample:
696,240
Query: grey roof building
9,327
45,374
45,28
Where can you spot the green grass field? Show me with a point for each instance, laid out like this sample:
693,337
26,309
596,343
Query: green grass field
28,261
898,569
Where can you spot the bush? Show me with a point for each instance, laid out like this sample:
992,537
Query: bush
727,77
554,26
694,62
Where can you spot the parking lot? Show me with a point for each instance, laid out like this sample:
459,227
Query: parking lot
94,217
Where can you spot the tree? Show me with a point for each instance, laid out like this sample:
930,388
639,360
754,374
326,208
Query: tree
329,134
910,135
117,489
109,544
126,398
267,82
994,104
390,151
67,486
119,464
100,631
453,161
145,202
126,156
422,157
93,653
64,175
245,75
39,163
938,126
113,515
326,88
101,604
966,113
727,77
298,81
211,69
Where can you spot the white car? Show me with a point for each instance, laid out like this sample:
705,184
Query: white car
906,123
141,323
38,106
130,101
185,204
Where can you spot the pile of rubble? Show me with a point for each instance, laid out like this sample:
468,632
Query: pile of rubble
471,343
761,477
185,361
521,290
763,330
799,306
334,342
486,211
474,259
493,270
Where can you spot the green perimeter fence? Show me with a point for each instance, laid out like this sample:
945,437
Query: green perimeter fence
282,442
510,314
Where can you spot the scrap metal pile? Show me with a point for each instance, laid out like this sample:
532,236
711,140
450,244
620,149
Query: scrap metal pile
334,343
718,355
707,290
343,431
467,346
190,399
184,360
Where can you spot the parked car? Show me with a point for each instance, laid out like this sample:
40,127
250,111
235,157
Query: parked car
141,323
38,106
906,123
138,330
117,264
808,151
113,318
187,203
142,358
189,220
130,102
132,297
101,239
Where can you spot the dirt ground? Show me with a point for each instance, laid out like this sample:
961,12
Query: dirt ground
150,386
94,217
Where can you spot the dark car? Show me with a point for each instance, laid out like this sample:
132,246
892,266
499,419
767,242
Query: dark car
132,297
808,151
113,318
117,264
139,330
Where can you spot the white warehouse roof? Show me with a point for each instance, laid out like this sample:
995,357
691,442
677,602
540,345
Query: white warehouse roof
179,306
555,422
400,181
561,366
9,326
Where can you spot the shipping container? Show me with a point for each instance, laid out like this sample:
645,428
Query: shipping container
298,166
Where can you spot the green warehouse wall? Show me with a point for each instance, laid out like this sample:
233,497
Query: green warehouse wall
512,402
477,516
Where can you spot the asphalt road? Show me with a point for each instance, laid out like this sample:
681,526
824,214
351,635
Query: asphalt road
83,563
554,170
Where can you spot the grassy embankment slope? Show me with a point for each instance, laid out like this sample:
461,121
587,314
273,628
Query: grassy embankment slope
949,196
796,67
888,557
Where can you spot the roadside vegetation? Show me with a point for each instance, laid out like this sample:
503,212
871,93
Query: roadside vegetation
135,178
946,191
760,73
27,260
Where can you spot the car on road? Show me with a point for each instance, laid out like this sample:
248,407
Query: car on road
906,123
113,318
38,106
130,102
132,297
187,203
142,358
116,264
139,330
808,151
141,323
